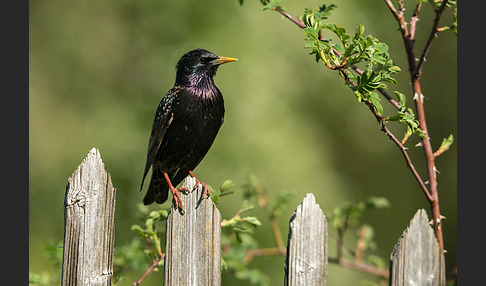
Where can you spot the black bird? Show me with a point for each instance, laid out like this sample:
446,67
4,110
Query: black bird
185,125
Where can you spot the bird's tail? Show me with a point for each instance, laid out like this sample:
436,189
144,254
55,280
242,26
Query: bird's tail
158,189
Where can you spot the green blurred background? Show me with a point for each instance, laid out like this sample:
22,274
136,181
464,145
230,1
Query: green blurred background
98,69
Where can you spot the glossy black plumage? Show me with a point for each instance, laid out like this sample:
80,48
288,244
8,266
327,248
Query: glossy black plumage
186,123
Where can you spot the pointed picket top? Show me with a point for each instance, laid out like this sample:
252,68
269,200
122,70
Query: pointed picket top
89,224
417,258
306,262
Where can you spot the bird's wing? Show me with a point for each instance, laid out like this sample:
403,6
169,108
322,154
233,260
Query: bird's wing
163,119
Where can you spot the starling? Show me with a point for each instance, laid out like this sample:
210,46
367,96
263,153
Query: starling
185,125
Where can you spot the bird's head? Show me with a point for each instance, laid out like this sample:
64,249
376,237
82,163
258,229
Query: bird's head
197,65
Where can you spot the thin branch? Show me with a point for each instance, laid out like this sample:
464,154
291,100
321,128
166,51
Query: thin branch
414,20
432,35
360,246
358,265
403,27
290,17
399,16
400,5
277,235
149,270
301,25
415,73
415,70
403,149
399,144
281,250
345,247
340,237
430,162
442,29
262,198
363,267
263,252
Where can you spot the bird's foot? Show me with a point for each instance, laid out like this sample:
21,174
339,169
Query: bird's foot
175,194
206,192
177,197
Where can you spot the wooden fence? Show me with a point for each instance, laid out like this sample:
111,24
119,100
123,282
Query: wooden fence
193,240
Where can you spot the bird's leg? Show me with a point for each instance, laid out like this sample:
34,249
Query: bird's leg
175,193
206,191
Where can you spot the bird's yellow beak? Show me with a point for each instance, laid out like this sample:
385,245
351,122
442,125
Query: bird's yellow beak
223,60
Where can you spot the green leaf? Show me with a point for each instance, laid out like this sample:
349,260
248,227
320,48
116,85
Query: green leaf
358,94
271,4
339,31
407,134
378,59
312,33
359,31
339,48
381,48
387,77
246,206
326,10
446,144
252,220
453,27
159,215
144,234
394,118
224,264
376,203
401,100
309,43
227,184
34,278
136,228
227,188
375,100
394,69
348,214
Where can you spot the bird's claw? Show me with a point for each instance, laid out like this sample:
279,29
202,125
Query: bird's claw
177,198
184,190
206,192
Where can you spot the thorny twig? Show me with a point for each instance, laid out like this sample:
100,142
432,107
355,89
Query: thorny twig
415,72
353,67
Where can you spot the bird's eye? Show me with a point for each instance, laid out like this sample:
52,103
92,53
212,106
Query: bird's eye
204,60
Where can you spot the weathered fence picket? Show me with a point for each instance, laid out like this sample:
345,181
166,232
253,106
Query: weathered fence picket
417,258
306,262
193,239
89,224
